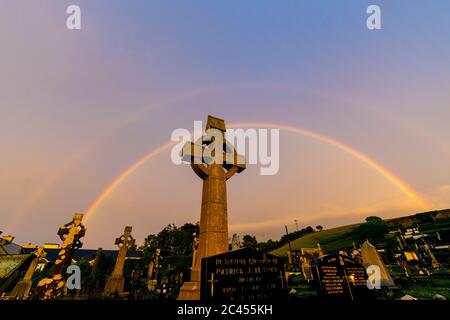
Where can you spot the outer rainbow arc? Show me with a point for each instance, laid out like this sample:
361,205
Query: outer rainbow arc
407,190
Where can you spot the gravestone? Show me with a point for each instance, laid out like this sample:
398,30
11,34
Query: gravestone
153,270
11,266
307,256
116,282
23,287
243,275
370,256
340,277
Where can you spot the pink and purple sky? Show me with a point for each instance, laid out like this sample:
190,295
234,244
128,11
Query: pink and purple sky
78,108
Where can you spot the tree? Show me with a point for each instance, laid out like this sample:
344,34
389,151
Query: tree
172,240
319,228
267,246
373,229
249,242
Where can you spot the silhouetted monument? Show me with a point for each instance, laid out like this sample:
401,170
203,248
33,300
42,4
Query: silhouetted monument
116,282
153,270
214,161
70,234
23,287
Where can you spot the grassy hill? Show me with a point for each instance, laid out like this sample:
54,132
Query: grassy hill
330,240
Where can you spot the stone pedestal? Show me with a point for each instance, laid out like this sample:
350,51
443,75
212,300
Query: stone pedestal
22,289
115,283
190,291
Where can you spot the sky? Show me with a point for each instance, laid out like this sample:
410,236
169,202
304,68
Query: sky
79,107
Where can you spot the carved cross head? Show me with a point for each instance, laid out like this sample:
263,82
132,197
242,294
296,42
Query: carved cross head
74,228
40,253
125,240
213,148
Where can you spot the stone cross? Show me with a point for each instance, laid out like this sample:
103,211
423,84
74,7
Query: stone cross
116,281
153,269
214,161
124,242
23,287
70,234
212,281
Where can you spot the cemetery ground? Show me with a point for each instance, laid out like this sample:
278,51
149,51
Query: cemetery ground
418,284
419,279
332,240
423,289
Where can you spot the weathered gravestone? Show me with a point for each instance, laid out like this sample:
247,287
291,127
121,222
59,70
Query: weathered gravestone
116,282
243,275
340,277
371,257
23,287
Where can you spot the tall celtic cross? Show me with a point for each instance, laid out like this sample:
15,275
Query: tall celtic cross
70,234
214,160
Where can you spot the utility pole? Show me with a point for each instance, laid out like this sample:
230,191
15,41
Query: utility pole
289,241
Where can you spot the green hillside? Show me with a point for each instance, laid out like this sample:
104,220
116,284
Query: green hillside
330,240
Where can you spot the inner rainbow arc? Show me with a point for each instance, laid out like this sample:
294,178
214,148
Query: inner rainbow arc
391,177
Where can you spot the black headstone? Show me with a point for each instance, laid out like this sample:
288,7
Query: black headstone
243,275
340,277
